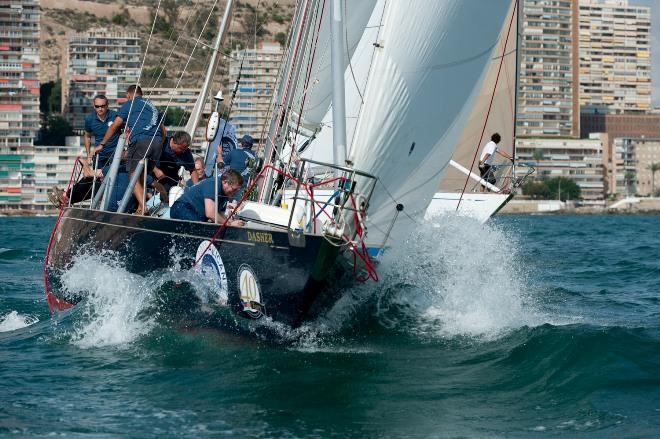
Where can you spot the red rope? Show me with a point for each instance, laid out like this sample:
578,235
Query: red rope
490,106
52,300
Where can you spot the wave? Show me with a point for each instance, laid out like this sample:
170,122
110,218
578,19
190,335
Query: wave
456,277
10,254
13,321
120,306
452,277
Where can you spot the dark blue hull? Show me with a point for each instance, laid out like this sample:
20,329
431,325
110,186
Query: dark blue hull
291,273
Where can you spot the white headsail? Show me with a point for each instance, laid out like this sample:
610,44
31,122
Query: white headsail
420,92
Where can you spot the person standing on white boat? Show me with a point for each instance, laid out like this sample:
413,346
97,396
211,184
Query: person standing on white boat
145,136
486,160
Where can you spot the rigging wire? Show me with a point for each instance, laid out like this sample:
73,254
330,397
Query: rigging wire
180,77
350,64
308,76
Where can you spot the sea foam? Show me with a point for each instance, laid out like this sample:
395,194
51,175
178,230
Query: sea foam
14,321
457,277
111,312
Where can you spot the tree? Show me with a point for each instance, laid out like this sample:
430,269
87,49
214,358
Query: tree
122,18
54,131
536,190
563,188
253,22
654,167
538,155
50,97
280,37
175,117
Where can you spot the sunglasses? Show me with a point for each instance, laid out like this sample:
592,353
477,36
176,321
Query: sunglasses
100,106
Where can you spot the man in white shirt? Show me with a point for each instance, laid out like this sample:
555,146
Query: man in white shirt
486,160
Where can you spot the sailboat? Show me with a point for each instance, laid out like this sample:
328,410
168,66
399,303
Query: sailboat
493,110
287,260
462,190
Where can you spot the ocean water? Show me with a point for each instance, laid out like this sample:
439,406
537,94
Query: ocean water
530,326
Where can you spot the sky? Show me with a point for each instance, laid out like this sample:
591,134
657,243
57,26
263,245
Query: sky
655,45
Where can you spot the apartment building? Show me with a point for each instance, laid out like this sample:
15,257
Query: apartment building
615,57
548,103
631,166
258,78
578,159
52,166
100,61
19,99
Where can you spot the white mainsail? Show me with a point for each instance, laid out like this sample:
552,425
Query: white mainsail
420,92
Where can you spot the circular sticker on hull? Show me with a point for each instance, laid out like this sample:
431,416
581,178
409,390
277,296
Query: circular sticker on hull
250,293
211,267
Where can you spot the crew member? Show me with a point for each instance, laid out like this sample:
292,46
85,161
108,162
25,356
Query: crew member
486,160
176,153
198,202
145,136
239,159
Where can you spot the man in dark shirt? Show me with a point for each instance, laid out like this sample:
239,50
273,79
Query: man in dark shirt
145,136
198,202
176,153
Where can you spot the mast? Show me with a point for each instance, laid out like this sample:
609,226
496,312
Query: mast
338,95
282,100
197,111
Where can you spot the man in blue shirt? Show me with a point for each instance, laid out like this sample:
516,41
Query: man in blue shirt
145,136
176,153
198,202
239,160
97,124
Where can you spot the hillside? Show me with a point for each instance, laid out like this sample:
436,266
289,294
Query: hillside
182,20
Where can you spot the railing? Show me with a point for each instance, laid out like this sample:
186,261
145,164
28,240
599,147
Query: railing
504,177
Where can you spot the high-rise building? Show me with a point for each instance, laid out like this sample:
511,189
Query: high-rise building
548,103
256,87
100,62
19,99
615,64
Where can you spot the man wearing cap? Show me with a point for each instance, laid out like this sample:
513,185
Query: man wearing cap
239,160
